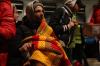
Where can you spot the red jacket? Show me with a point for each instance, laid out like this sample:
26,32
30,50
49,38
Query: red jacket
95,19
7,28
7,24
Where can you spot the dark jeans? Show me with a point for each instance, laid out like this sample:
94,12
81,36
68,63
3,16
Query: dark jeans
77,53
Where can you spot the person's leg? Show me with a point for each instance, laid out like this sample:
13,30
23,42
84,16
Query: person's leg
84,57
69,53
3,59
77,55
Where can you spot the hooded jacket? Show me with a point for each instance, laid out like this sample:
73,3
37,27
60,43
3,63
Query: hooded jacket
7,28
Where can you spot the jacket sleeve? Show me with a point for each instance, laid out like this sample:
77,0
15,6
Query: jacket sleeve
7,24
55,21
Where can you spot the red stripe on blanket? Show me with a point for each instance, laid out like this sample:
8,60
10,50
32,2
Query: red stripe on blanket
35,44
35,37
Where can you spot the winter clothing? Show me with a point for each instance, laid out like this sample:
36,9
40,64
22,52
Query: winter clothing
58,21
22,31
44,39
25,28
76,37
60,18
7,29
95,18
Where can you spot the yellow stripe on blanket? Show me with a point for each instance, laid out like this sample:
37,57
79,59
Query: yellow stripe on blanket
42,38
41,44
47,32
47,41
39,56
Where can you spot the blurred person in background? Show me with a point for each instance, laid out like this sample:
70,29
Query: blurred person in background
63,23
66,26
95,24
7,29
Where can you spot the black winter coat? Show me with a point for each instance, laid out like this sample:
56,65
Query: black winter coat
23,30
59,18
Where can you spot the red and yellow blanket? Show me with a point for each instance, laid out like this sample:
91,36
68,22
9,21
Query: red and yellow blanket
47,49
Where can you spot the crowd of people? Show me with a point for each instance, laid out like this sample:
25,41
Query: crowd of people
35,42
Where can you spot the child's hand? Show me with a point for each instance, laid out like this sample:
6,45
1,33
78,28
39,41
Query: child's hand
26,46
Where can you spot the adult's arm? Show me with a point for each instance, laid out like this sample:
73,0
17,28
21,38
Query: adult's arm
55,21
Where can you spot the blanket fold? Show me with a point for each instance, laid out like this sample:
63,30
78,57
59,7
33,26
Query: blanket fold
47,49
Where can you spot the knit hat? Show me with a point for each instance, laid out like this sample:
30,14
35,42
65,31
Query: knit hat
31,6
70,2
